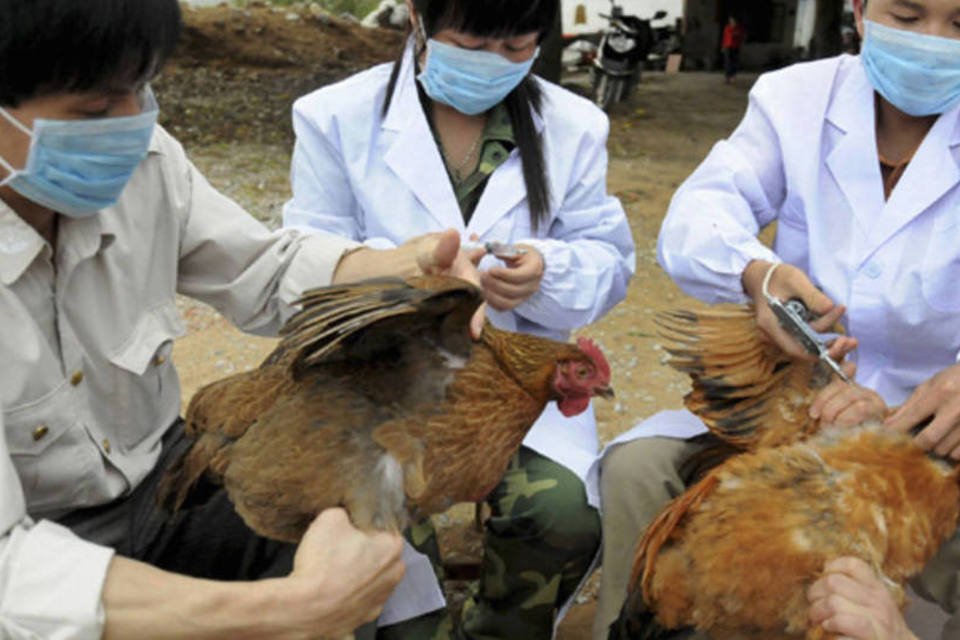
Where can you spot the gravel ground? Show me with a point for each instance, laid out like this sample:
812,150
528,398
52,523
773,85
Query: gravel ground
227,97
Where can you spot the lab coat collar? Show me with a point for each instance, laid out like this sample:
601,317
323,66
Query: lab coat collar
854,163
410,155
421,166
505,189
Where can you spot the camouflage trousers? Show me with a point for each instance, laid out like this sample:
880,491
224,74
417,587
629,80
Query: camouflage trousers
538,543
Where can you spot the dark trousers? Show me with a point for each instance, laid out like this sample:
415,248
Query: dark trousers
204,540
731,62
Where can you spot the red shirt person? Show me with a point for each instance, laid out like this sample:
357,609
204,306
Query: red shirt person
733,36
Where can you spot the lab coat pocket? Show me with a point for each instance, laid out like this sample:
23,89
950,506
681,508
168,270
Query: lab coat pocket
32,428
144,372
940,270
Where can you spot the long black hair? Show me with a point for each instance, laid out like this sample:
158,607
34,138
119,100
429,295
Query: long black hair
500,19
53,46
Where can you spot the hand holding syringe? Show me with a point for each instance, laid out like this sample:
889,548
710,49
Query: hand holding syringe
496,248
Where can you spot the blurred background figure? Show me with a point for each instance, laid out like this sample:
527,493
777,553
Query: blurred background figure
733,36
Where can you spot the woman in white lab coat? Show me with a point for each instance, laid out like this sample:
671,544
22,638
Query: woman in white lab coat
457,134
858,161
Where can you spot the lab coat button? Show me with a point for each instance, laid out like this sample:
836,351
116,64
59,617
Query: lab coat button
76,378
106,445
872,270
159,360
40,432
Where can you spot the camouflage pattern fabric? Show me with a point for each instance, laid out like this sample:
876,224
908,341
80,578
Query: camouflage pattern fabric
496,143
538,543
542,535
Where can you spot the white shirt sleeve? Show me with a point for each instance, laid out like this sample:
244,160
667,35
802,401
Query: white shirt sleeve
709,234
323,197
50,580
231,261
318,178
589,255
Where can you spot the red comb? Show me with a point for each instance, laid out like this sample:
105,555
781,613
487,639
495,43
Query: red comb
590,348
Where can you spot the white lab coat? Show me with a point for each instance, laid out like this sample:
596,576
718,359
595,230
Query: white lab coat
806,156
383,181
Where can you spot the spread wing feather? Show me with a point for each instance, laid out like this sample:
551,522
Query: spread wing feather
394,342
664,527
363,321
745,389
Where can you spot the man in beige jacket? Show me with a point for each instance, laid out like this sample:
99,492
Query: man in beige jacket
103,220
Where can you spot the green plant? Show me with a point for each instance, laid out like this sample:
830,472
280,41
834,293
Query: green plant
358,8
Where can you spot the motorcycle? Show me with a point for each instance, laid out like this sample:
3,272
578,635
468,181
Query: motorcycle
624,46
667,41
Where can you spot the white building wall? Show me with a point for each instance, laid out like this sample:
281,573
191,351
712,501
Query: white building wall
641,8
806,21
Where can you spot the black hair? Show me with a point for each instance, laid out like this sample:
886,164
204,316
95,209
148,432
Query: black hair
488,18
500,19
54,46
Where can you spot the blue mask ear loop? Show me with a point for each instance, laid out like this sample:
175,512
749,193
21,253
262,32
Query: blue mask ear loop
11,172
420,39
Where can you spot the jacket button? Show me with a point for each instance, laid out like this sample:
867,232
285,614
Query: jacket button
873,270
106,445
40,432
159,360
76,378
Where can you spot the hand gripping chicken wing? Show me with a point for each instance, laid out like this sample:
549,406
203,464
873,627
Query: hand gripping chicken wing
377,400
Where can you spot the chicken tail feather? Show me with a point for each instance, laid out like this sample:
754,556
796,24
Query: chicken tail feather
661,530
183,477
747,391
699,464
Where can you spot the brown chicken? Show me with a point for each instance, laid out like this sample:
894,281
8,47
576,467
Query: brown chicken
377,400
735,554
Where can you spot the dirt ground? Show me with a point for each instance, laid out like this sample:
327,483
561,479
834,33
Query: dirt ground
227,96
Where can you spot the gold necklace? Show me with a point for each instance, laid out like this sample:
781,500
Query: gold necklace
463,163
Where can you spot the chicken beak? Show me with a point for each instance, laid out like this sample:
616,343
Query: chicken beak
605,392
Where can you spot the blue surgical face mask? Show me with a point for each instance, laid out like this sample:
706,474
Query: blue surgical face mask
78,167
470,81
917,73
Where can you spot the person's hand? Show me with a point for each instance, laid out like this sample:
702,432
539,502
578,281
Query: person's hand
849,600
428,253
937,398
432,253
441,253
789,282
847,404
341,577
506,287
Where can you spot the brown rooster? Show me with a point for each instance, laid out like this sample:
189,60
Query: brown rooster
735,554
377,400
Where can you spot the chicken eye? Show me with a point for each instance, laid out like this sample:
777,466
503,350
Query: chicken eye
582,372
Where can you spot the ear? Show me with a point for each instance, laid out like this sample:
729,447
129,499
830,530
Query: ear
858,11
413,15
